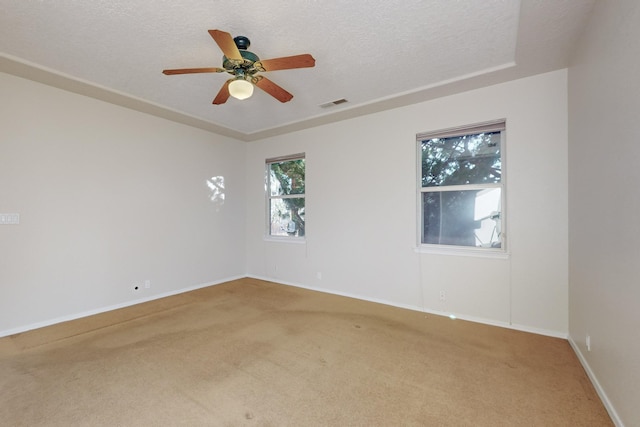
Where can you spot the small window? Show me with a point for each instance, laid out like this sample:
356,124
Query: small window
286,196
462,187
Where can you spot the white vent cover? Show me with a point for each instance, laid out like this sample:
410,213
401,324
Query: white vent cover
332,103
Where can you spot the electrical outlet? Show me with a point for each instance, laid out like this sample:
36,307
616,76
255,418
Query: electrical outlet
147,284
443,296
588,342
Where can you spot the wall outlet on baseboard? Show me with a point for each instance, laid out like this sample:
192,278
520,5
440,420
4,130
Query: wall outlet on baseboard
147,284
443,295
588,342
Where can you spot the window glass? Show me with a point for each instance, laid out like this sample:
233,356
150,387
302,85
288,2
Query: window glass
462,218
461,186
286,196
287,177
286,217
466,159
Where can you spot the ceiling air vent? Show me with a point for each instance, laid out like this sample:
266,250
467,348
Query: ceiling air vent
332,103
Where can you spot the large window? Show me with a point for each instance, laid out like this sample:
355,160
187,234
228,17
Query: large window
286,196
462,187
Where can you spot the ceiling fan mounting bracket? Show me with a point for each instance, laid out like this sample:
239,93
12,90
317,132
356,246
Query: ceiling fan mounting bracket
242,42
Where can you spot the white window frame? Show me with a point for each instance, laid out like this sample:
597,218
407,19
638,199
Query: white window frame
269,197
442,249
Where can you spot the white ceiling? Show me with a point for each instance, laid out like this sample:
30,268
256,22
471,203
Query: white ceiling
377,54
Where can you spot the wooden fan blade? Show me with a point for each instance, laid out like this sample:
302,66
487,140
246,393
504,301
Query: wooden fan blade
226,44
223,95
272,89
194,70
287,62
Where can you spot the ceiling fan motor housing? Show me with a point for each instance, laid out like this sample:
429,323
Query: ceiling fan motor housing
248,59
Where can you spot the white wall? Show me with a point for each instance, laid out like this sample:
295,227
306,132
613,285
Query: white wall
361,210
108,197
604,204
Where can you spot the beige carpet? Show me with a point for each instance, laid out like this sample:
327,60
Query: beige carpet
256,353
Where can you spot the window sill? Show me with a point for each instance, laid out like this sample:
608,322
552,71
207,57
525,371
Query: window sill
283,239
463,251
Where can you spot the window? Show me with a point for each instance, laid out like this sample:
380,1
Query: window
462,187
285,196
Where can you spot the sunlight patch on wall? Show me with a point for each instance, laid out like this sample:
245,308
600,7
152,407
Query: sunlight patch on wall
216,190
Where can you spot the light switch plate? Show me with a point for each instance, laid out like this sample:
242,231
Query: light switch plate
9,218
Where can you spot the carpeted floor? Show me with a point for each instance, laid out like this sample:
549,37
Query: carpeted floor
256,353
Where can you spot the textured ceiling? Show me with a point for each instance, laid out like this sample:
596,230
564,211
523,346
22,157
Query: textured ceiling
376,54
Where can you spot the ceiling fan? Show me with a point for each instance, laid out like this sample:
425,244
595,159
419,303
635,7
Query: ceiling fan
244,66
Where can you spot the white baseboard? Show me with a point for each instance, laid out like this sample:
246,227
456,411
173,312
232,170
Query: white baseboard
546,332
87,313
596,384
74,316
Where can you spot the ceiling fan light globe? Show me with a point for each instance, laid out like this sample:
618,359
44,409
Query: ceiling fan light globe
240,89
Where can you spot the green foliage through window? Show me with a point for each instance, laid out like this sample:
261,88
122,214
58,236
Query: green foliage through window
466,159
461,186
286,190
